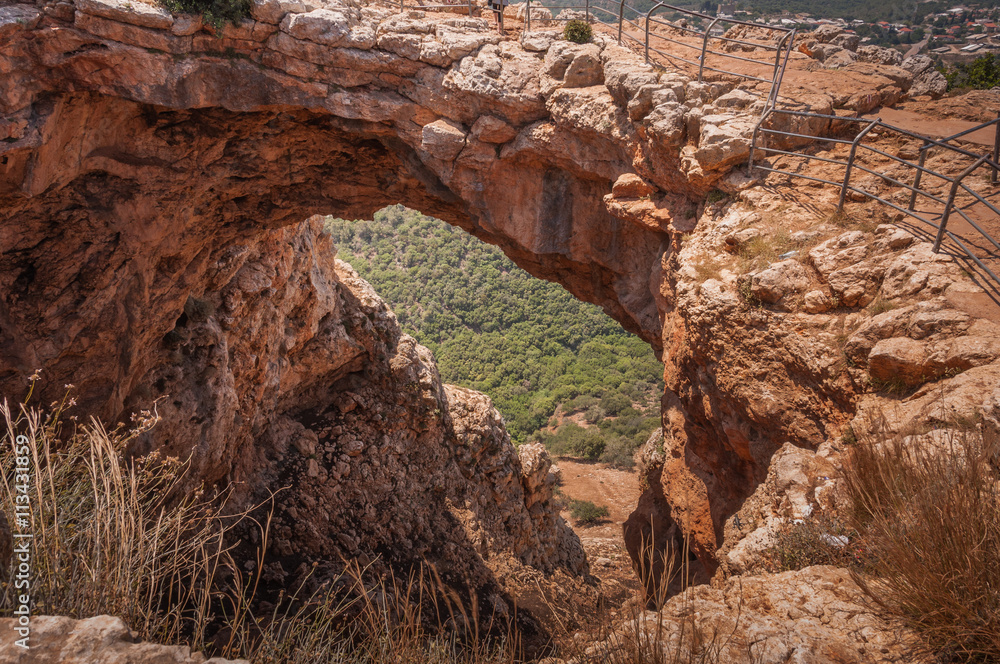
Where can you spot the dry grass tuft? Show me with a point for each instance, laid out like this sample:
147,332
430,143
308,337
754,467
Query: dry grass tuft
115,536
930,515
106,541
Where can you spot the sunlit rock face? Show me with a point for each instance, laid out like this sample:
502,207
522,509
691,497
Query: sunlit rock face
154,178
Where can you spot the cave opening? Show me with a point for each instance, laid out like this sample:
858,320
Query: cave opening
560,371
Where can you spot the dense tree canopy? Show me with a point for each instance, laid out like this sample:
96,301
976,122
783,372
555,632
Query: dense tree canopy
527,343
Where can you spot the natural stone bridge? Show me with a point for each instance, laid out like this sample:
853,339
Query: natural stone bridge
155,174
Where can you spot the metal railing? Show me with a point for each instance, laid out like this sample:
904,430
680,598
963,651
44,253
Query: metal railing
451,6
949,205
655,29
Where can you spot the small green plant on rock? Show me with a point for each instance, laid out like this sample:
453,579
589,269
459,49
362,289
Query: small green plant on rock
578,32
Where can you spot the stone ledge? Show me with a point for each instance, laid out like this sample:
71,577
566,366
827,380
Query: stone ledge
128,11
131,34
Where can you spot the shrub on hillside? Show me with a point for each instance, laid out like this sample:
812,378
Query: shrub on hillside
578,32
614,403
619,452
928,509
573,440
587,513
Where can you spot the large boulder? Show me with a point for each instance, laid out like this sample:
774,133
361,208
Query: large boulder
879,55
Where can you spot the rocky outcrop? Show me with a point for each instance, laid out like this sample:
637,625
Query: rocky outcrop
836,48
372,458
99,639
765,361
815,616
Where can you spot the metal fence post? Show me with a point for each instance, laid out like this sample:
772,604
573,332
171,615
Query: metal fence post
918,176
850,162
400,5
704,47
753,140
646,41
621,19
527,16
588,10
996,149
951,201
777,65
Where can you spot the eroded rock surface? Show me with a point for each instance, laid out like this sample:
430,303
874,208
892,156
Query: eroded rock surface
102,639
813,616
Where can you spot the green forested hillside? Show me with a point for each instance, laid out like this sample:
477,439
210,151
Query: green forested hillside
527,343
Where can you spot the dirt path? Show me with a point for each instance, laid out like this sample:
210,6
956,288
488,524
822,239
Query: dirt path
618,490
934,126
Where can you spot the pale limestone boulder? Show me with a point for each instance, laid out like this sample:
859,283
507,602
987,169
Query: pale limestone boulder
666,123
931,82
827,33
537,42
126,11
585,70
816,302
847,41
273,11
919,269
879,55
409,46
186,24
443,139
103,639
452,45
856,285
839,252
781,279
630,185
330,28
723,141
917,64
838,59
962,353
574,65
736,99
646,98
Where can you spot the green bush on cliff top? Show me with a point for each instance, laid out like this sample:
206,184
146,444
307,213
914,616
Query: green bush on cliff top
578,32
214,12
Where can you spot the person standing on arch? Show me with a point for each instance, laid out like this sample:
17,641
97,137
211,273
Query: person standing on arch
498,6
